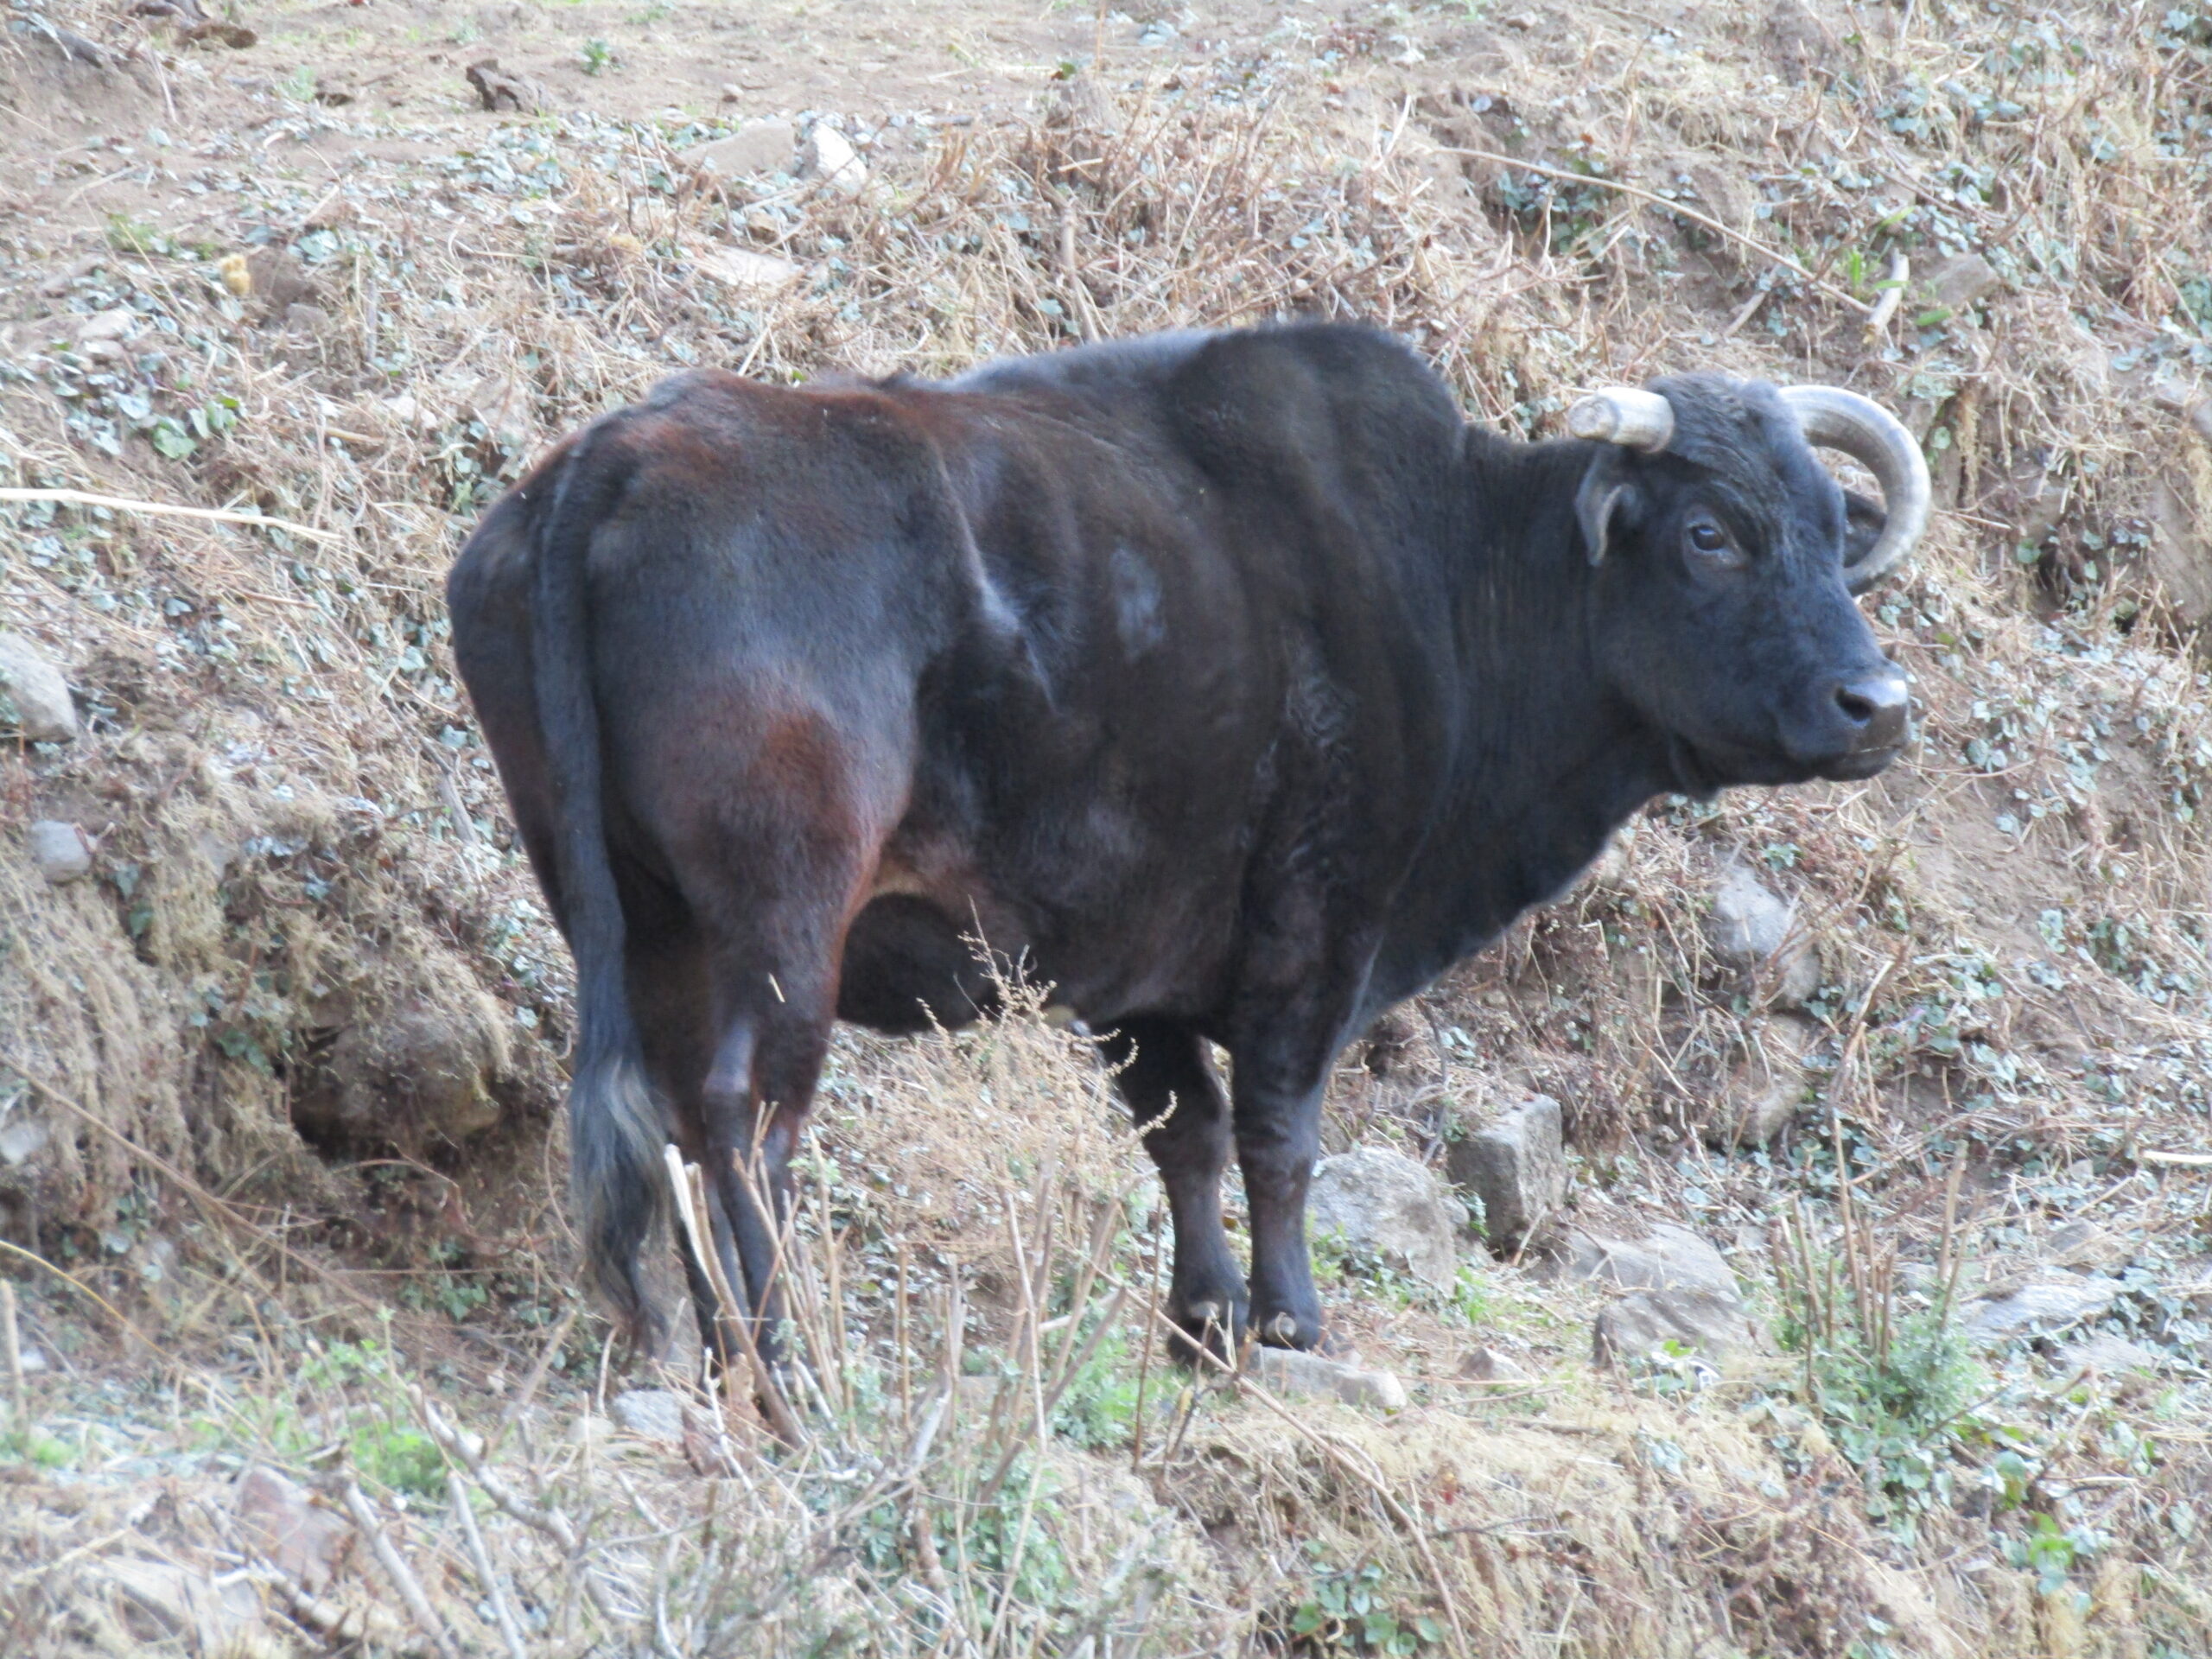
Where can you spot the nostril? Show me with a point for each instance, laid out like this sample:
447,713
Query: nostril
1875,708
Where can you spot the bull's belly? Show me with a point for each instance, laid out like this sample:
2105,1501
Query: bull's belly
913,961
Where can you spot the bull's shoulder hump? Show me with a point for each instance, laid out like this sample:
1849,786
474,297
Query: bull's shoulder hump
1357,372
1105,367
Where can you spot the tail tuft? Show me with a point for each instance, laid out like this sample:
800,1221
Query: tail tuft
616,1131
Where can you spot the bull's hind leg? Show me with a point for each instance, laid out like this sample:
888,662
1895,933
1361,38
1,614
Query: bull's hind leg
775,996
1165,1072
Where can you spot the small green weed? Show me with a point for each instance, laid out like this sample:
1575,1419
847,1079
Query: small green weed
33,1444
599,57
1896,1389
1349,1611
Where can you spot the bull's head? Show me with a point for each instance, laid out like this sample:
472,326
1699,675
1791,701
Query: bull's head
1728,557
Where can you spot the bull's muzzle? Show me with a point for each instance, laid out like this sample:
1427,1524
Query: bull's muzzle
1876,709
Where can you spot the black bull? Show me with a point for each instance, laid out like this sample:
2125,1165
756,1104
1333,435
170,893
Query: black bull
1232,682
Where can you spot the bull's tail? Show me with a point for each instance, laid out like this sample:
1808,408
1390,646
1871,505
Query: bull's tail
616,1126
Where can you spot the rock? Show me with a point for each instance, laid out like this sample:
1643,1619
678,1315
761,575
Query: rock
2110,1354
828,156
1672,1258
278,279
1285,1370
22,1139
1764,1091
747,271
1758,936
1384,1204
1706,1322
311,320
281,1523
756,147
503,89
500,403
1956,283
1082,102
1515,1166
33,697
1795,40
422,1073
1488,1365
2046,1303
60,850
2084,1244
120,323
650,1414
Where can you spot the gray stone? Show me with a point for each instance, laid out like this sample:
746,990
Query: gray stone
1384,1204
282,1524
1764,1091
828,156
1517,1167
2046,1303
500,404
756,147
1704,1321
1956,283
22,1139
1488,1365
60,850
747,271
1672,1258
2110,1354
1758,936
2084,1244
33,697
1285,1370
650,1414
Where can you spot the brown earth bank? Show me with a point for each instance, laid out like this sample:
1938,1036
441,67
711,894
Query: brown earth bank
1863,1304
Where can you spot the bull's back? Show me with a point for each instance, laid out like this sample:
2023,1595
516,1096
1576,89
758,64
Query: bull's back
1049,617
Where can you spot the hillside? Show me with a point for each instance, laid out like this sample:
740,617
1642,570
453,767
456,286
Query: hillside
300,1361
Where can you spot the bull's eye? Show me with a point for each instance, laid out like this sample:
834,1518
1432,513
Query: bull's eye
1710,542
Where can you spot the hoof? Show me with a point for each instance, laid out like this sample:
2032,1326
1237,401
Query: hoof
1286,1329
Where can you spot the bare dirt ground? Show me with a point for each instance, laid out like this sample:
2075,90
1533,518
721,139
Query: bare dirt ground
300,1363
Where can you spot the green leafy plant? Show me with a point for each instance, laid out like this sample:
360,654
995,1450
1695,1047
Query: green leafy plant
598,56
1350,1611
1895,1387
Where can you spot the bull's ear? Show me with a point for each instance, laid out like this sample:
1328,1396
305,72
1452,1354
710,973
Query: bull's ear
1608,493
1862,520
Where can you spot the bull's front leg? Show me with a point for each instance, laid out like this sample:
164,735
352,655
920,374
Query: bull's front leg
1163,1073
1275,1095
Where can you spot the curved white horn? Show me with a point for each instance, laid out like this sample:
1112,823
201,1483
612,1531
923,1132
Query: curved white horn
1626,415
1876,439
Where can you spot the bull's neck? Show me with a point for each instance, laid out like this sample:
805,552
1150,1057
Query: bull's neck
1548,758
1541,712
